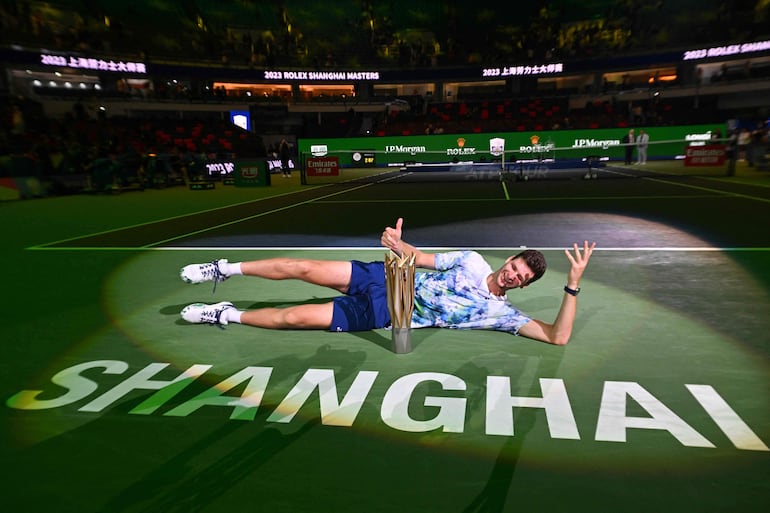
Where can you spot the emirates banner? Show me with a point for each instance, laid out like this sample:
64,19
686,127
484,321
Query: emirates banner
706,155
323,166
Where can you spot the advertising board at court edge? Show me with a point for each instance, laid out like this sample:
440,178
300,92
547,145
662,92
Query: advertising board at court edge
569,143
446,398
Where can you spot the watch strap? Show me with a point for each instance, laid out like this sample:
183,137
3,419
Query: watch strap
572,292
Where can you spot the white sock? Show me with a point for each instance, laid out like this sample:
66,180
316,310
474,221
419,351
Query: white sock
232,315
232,269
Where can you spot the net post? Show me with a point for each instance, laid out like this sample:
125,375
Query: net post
302,169
732,153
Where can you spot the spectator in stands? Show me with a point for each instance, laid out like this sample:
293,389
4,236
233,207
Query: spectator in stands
17,121
106,173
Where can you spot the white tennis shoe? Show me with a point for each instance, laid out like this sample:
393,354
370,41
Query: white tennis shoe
198,273
201,313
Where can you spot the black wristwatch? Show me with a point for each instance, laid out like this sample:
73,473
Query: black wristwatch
572,292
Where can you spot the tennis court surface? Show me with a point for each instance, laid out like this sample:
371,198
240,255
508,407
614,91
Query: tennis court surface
659,403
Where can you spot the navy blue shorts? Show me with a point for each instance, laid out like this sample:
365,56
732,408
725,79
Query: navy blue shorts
365,306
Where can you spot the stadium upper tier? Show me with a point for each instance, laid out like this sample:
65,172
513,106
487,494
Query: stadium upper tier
357,33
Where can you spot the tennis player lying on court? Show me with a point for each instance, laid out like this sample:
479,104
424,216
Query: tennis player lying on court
461,291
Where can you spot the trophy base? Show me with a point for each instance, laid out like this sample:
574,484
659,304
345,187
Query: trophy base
402,340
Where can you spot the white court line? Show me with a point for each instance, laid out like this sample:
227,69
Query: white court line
709,189
46,246
692,186
162,220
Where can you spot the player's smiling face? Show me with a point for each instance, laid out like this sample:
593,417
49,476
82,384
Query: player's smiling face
515,273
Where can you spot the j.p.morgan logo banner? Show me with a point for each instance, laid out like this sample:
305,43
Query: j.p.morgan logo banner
472,146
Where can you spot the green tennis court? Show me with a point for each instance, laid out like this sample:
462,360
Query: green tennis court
112,403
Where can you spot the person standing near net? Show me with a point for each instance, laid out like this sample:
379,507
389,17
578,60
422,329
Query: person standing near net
458,290
642,142
628,144
284,153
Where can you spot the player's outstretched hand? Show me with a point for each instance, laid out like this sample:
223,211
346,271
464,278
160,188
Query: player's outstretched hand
578,262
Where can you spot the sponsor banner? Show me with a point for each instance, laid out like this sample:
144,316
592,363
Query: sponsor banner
323,166
219,168
706,155
321,76
461,149
537,145
550,68
92,63
724,51
595,143
251,174
276,166
666,142
401,148
496,146
364,158
319,150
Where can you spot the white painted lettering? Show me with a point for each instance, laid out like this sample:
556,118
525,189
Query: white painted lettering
451,414
739,433
555,402
70,378
244,407
333,413
141,381
613,422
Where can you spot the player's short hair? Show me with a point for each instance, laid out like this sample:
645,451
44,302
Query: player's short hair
535,260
